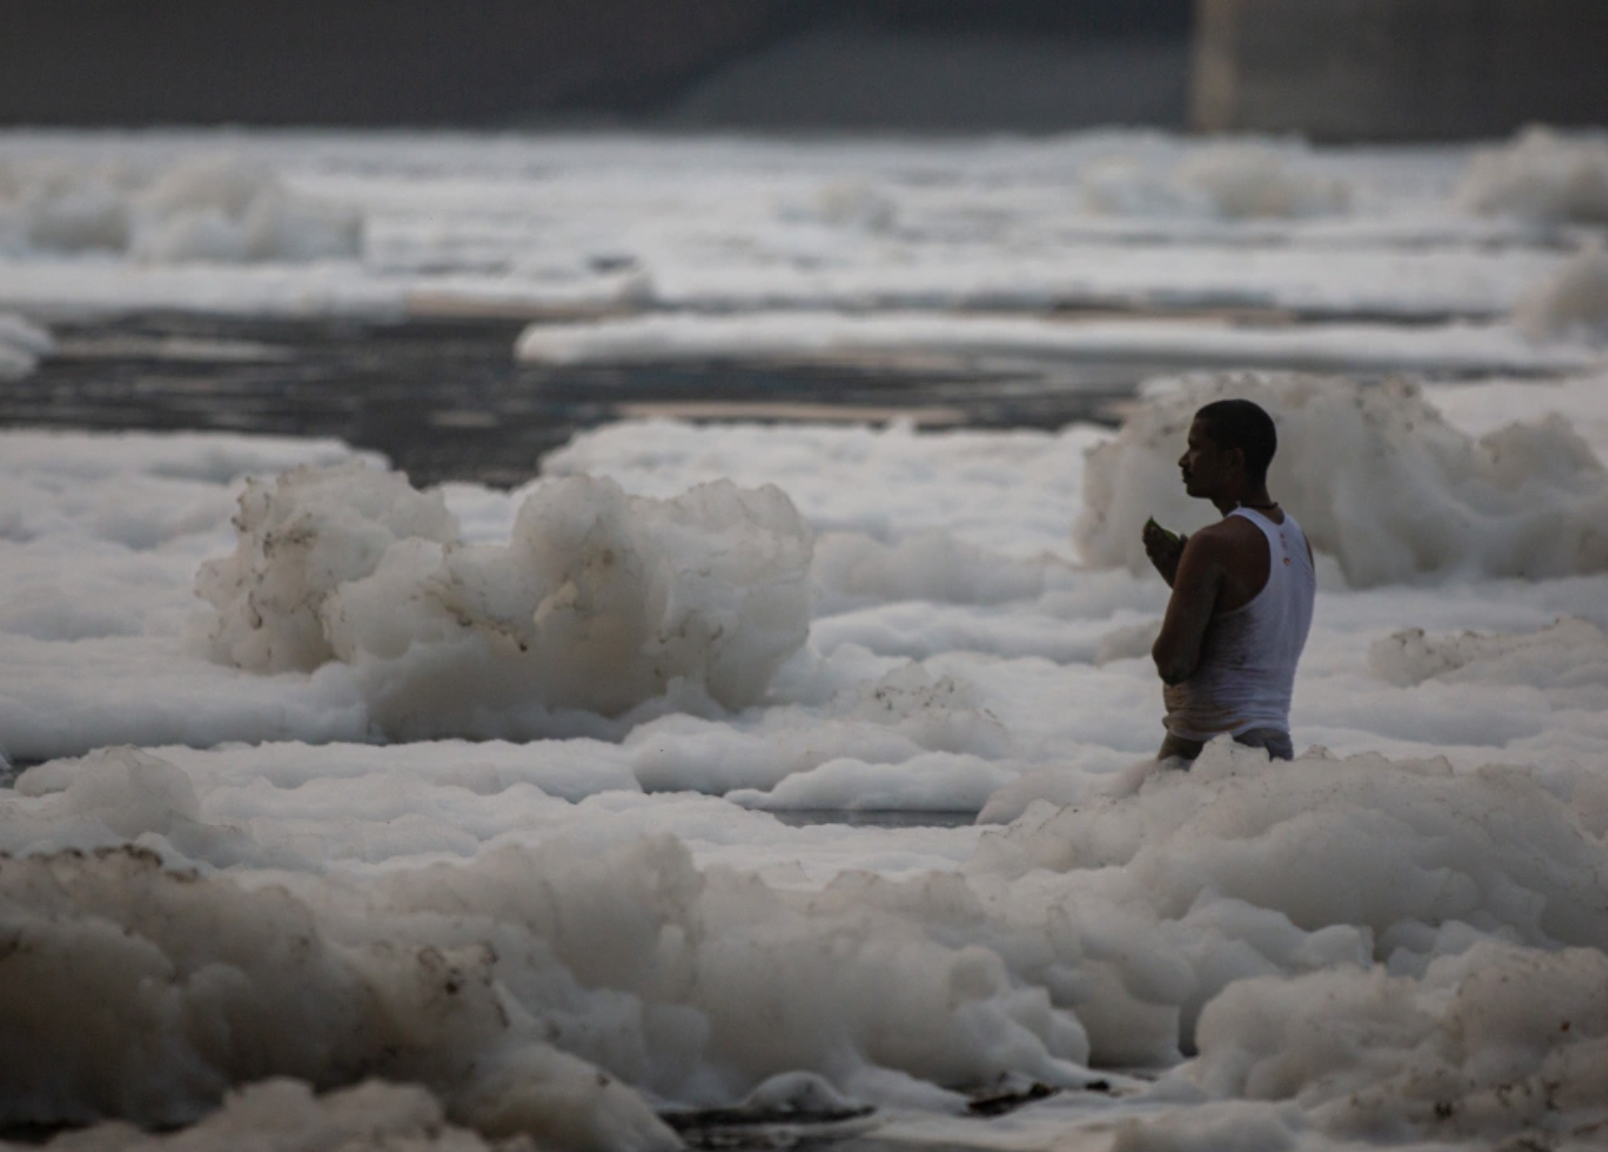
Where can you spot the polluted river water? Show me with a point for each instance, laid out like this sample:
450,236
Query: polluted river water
500,653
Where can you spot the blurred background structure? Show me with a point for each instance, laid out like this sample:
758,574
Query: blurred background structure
1334,69
902,64
1398,69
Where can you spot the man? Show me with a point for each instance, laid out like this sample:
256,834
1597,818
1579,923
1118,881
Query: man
1242,593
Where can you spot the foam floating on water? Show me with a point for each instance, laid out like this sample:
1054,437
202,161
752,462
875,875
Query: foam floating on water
1240,181
1376,478
1570,653
212,208
285,1115
1214,914
847,335
599,601
240,984
21,345
1543,175
1571,305
1496,1042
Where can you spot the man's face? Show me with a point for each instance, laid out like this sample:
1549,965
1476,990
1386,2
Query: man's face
1205,465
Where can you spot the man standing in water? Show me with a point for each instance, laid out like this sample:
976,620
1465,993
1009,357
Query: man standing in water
1242,593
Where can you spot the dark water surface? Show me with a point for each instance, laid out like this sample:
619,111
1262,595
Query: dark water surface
444,399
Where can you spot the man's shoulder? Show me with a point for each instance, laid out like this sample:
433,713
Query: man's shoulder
1235,547
1229,532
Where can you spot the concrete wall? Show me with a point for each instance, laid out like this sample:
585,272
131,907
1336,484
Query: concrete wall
1398,69
491,62
357,62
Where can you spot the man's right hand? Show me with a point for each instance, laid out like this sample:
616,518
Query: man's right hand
1164,550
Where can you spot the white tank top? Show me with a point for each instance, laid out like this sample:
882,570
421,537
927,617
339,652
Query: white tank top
1246,673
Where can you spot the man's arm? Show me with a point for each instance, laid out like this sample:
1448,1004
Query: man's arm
1196,585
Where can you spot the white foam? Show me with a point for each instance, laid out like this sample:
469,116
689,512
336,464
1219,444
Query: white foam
304,222
623,933
840,336
557,936
1375,477
599,602
1005,492
284,1115
101,537
21,345
220,208
1572,304
243,984
1500,1041
301,538
1234,181
1163,913
1543,175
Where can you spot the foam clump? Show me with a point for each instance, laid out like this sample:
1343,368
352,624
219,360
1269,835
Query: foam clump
1569,653
1244,867
1495,1042
21,345
219,209
131,791
248,983
285,1115
1541,175
243,982
1571,305
848,204
644,964
796,1094
122,795
1398,848
1376,478
598,602
1223,181
70,459
940,713
538,986
302,538
1241,181
528,989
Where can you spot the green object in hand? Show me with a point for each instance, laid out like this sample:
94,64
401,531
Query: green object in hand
1172,537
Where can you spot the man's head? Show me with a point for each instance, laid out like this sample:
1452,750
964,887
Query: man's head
1231,443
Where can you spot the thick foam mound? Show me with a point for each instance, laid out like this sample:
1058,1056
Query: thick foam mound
598,603
1376,478
1220,910
1541,175
285,1116
237,983
1361,870
1573,304
302,537
1495,1042
21,345
1225,181
619,951
1249,180
219,208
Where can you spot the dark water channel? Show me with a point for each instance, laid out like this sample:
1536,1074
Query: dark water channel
444,399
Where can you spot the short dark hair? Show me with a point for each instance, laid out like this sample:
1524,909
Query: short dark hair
1243,425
